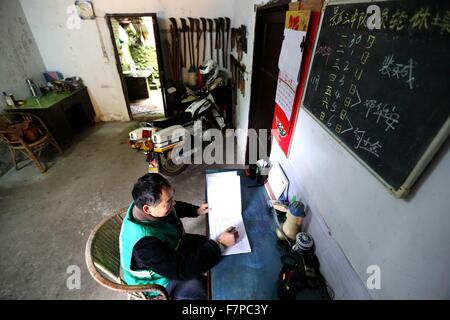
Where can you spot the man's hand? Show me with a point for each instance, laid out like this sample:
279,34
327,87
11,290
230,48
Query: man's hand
229,237
203,209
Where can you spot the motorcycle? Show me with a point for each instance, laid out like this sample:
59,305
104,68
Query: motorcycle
160,138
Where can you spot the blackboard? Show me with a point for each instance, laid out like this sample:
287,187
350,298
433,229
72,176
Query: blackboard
384,93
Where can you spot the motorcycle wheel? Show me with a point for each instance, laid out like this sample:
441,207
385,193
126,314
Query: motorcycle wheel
167,166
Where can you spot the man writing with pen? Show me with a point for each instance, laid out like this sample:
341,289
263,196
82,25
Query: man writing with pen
154,249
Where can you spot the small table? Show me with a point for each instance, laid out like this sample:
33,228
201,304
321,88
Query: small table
138,85
254,275
63,113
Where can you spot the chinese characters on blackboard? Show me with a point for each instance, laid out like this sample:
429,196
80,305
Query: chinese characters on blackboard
372,87
341,91
395,19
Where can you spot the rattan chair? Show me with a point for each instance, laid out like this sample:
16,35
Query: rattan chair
103,260
17,142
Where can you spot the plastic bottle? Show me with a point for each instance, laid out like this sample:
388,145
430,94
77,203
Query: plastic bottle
9,98
294,218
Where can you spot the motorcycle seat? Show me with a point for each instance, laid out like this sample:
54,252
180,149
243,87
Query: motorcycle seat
183,119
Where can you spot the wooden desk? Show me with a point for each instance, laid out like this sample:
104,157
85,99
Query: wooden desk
253,275
63,113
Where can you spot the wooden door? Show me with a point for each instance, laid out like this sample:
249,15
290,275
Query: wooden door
269,31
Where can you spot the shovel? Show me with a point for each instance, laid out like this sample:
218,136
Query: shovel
227,28
204,27
222,30
211,29
192,68
184,27
199,36
217,45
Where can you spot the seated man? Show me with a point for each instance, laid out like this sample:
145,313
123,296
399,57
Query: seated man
154,249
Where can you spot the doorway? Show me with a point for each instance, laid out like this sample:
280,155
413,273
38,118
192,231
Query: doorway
269,30
137,49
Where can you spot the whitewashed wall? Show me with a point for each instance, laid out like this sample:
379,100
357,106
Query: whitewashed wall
19,60
408,239
20,57
245,14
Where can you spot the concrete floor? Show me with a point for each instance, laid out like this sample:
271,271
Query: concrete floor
45,219
151,107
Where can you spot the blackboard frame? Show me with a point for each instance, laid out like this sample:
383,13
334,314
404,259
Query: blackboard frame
426,157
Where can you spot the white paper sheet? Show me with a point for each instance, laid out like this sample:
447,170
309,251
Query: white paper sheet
224,200
289,63
277,181
291,53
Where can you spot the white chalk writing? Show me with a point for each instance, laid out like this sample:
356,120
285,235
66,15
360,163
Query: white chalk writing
324,51
398,70
364,143
383,111
315,81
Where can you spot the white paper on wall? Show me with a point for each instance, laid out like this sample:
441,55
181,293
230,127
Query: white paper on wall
289,64
291,53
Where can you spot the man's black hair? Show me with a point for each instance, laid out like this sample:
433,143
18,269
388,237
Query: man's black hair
147,190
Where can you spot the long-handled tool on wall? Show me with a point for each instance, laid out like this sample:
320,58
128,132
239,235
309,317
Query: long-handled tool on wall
227,29
211,29
217,45
176,50
194,55
204,30
169,49
192,68
199,36
184,28
222,28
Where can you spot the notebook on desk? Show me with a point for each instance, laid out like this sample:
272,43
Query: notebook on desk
277,182
223,191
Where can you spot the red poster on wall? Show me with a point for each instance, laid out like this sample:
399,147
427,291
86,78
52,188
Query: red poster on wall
283,123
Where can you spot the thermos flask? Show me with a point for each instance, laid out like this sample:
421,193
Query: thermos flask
293,222
34,89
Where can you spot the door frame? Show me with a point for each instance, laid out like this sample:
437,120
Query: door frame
159,55
256,70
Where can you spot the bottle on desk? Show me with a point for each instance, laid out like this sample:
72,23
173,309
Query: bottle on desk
9,98
293,222
34,89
